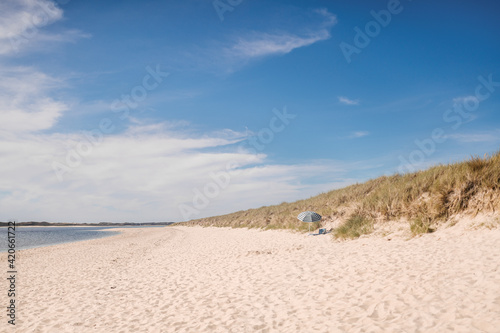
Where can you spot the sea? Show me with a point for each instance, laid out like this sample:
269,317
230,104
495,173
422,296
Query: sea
31,237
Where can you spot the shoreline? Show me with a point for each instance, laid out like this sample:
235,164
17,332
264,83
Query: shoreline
103,234
195,279
103,229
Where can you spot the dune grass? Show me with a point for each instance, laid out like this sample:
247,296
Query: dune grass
423,197
420,226
354,227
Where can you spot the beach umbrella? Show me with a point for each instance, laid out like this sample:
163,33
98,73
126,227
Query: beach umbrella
309,217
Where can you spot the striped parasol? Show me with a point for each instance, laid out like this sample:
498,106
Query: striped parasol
309,216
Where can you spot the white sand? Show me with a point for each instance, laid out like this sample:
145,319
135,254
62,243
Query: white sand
180,279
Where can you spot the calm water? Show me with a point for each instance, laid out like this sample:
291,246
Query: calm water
30,237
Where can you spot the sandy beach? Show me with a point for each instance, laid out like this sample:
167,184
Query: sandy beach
193,279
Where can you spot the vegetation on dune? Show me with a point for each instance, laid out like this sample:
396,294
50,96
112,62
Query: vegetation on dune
420,226
423,197
354,227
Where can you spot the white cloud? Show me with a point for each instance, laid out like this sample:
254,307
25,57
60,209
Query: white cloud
476,137
19,16
329,18
264,44
228,56
259,44
22,23
347,101
141,177
24,101
68,36
141,174
358,134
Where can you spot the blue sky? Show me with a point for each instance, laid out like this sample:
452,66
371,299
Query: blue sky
171,110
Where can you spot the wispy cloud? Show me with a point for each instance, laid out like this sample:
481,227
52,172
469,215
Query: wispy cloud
22,23
25,101
260,44
347,101
476,137
142,174
358,134
264,44
232,54
329,18
145,171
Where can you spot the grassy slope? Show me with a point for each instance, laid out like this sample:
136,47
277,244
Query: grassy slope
425,196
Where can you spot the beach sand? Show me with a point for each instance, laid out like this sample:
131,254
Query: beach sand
193,279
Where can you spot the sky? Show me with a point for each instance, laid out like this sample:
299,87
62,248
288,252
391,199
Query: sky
142,111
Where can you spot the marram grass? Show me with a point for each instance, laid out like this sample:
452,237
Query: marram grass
354,227
423,197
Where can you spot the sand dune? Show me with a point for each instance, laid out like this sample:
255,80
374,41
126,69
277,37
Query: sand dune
182,279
